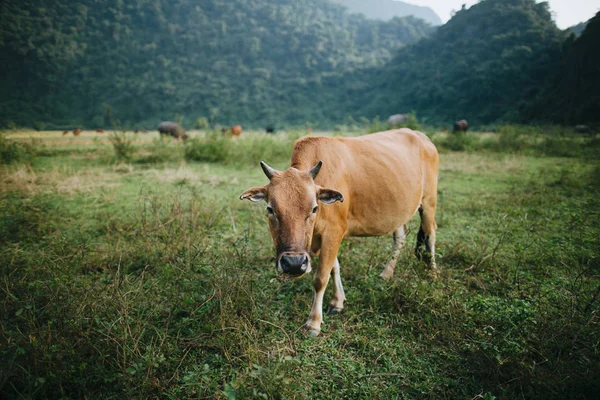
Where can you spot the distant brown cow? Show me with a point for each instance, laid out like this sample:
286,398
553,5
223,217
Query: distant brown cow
77,132
461,126
99,130
65,133
236,130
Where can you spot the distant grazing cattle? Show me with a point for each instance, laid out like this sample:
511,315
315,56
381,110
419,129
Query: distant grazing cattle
397,119
77,132
338,187
172,129
236,130
583,129
270,129
65,133
144,131
461,126
136,131
99,130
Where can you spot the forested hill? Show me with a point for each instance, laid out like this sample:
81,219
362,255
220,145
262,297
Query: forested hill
491,62
233,61
387,9
288,62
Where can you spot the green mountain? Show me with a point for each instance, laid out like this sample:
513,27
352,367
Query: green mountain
578,29
489,62
387,9
574,95
288,62
245,61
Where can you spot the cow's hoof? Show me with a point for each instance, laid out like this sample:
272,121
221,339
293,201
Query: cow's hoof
385,275
333,310
311,331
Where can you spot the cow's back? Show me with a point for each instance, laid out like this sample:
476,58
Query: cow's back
382,177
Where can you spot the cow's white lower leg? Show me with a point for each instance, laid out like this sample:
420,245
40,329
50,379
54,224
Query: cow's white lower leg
315,319
337,303
431,248
399,241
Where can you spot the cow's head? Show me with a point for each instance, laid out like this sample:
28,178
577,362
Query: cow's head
292,206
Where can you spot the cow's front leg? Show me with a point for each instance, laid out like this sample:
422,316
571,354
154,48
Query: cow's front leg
327,262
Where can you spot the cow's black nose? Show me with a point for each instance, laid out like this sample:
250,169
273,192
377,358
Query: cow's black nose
294,265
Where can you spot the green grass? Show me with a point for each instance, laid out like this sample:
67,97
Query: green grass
148,278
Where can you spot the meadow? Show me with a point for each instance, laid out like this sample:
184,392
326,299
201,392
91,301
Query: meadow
130,269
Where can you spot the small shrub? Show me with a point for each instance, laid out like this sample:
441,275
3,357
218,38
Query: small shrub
122,145
162,151
459,141
39,126
376,125
202,123
13,152
212,149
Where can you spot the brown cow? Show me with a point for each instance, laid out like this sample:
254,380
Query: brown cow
461,126
99,130
77,132
236,130
65,133
377,182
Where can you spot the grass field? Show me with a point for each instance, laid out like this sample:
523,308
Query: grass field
129,269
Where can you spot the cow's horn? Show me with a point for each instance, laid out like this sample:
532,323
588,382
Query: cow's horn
269,172
314,171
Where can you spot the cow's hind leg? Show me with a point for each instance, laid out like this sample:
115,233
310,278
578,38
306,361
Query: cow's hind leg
399,237
336,305
425,249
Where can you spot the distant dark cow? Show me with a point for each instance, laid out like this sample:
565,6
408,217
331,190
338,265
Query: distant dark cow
396,120
583,129
99,130
65,133
236,130
77,132
270,129
172,129
461,126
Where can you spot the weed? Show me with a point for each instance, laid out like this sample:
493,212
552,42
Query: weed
12,152
122,145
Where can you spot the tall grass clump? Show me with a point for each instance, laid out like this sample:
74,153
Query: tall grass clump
460,141
213,149
161,151
269,148
122,145
12,152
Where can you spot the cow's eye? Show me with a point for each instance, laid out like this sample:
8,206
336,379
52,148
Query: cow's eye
315,209
270,211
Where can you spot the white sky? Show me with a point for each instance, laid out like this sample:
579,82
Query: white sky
566,13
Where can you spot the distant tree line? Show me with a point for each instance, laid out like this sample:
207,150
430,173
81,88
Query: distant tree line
284,62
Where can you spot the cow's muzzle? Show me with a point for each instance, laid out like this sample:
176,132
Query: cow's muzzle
294,264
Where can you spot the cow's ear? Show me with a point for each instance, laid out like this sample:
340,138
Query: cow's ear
255,194
329,196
